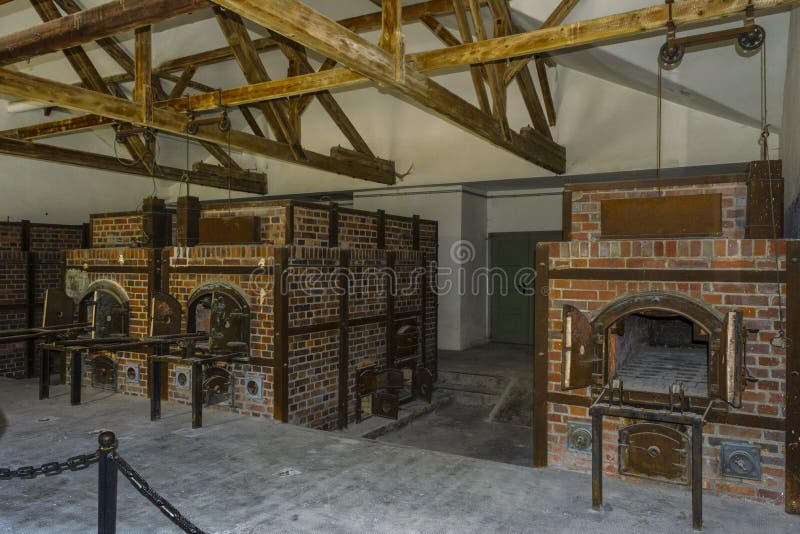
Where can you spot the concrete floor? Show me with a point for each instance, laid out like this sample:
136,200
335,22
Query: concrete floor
489,412
241,474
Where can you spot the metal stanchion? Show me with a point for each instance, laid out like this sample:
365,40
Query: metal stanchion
107,483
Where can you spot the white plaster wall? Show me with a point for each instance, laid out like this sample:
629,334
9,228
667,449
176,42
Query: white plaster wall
790,149
474,319
441,204
523,210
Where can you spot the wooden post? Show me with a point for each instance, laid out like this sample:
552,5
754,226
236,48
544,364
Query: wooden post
792,502
344,336
541,355
30,298
381,222
280,341
415,232
390,289
333,225
566,216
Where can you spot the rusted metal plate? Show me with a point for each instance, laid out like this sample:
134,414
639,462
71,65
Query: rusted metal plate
425,384
229,230
406,340
655,451
731,375
578,350
764,200
682,216
386,404
165,315
59,309
230,322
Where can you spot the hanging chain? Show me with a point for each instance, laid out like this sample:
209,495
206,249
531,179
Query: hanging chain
166,508
76,463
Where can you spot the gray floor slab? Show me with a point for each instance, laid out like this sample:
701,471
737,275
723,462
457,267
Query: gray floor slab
242,474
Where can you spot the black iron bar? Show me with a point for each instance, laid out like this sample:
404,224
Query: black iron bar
597,460
697,475
77,377
197,394
154,368
44,373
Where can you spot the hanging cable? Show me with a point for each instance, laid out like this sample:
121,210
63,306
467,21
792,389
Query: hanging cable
230,171
659,126
780,338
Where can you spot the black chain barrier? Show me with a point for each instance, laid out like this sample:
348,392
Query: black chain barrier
141,485
109,462
76,463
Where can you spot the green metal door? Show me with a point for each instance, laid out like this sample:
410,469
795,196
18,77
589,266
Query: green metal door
511,311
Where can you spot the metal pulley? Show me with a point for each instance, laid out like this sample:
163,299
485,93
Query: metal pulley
750,38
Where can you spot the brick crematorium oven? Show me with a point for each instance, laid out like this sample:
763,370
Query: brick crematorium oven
666,315
320,298
31,262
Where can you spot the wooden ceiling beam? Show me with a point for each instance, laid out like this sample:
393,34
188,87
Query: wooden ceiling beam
90,77
309,28
89,25
276,113
598,31
476,71
41,152
296,54
360,23
83,100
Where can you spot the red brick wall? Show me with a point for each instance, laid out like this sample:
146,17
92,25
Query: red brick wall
757,301
122,229
586,205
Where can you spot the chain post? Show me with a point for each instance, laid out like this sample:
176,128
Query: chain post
77,377
107,483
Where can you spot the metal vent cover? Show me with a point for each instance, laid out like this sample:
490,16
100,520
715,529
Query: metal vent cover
740,460
579,437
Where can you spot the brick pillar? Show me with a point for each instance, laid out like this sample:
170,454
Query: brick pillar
188,221
156,223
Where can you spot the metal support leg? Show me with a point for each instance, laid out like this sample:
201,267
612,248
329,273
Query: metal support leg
197,395
44,373
697,476
154,372
107,483
77,377
597,460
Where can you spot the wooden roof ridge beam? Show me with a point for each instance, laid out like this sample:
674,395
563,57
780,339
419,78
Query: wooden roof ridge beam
313,30
54,154
83,100
276,113
602,30
89,25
